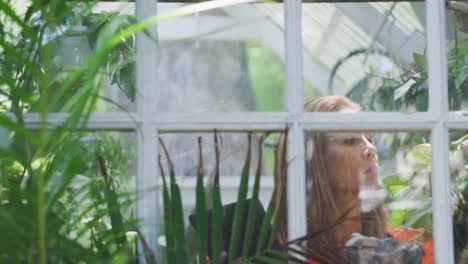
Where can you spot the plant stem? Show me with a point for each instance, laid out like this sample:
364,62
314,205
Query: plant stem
43,103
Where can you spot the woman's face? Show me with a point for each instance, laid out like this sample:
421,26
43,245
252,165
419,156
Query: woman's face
352,163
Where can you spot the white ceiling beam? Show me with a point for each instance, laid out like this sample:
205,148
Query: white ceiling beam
398,43
207,28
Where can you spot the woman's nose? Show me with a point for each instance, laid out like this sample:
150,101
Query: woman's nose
369,151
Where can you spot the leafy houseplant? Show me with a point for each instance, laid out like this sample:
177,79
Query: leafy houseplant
60,202
74,43
121,60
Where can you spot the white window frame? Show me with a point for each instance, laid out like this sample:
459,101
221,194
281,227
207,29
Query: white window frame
148,124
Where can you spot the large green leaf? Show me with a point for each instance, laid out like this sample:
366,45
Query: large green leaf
461,76
421,62
422,155
252,213
422,216
240,211
398,217
217,230
202,221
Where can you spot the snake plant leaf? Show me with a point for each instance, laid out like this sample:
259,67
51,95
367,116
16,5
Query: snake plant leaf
167,204
277,219
177,213
264,228
239,212
217,232
253,207
179,228
202,226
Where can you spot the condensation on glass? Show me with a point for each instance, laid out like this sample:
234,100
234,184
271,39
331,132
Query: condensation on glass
368,196
372,52
227,59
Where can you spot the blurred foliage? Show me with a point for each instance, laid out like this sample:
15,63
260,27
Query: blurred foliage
409,92
410,196
266,71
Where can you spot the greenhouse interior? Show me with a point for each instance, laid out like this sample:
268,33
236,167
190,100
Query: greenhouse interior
319,131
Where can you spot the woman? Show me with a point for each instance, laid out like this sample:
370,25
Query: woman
343,192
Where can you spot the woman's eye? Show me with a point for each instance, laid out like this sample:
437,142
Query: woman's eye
371,140
350,141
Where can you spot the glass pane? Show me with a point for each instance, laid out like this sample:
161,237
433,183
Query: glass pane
368,196
459,178
45,55
374,53
227,59
184,153
457,30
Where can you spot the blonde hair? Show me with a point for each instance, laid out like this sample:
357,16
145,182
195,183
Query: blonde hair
323,210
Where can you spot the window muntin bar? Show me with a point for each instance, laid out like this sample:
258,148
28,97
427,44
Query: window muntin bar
294,102
147,149
438,107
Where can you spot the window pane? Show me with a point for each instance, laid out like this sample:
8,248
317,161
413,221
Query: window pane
42,58
374,53
184,153
457,28
227,59
459,178
368,189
